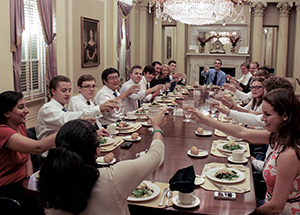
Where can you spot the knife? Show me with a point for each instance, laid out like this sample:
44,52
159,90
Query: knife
218,186
161,202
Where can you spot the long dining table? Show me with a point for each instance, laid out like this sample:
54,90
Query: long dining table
179,138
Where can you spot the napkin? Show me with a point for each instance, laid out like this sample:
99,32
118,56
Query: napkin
183,180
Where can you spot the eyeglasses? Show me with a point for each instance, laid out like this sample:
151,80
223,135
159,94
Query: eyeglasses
89,86
113,78
255,87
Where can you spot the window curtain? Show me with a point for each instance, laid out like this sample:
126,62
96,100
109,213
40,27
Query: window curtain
17,25
124,12
46,14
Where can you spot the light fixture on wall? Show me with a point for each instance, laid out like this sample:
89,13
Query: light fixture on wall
198,12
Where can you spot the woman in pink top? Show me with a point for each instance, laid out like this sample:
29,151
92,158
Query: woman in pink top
281,115
15,149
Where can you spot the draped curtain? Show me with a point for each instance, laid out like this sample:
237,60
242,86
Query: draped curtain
17,25
46,14
124,12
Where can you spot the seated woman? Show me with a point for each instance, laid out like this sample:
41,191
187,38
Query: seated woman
15,150
281,115
70,182
165,72
254,106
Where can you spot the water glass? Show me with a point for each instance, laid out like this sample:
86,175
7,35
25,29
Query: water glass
153,110
186,104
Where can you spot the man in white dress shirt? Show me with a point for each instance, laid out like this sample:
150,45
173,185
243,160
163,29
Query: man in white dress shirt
133,101
111,80
53,114
86,86
148,73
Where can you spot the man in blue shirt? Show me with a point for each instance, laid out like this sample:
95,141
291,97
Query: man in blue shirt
214,76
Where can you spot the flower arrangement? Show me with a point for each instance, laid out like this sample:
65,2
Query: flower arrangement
203,40
234,38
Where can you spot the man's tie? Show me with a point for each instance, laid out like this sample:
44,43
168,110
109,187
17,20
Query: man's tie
215,79
88,102
115,94
243,80
64,109
147,86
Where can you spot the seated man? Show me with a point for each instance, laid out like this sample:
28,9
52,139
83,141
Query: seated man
86,86
172,66
148,73
111,80
53,114
133,101
214,76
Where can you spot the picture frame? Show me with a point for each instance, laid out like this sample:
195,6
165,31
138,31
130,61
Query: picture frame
243,50
90,42
169,47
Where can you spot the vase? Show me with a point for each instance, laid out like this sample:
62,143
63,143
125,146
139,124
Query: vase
233,49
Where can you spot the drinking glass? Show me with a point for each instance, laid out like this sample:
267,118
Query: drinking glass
119,109
212,107
186,104
153,110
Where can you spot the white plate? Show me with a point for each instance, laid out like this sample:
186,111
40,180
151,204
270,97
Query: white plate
116,132
210,174
133,118
195,203
152,186
179,98
233,161
129,126
199,180
100,161
234,139
220,147
170,104
205,133
109,141
128,138
168,100
146,124
199,155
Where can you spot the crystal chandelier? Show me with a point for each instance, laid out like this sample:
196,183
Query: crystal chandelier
197,12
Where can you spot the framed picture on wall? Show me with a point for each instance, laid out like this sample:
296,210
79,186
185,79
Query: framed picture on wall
169,47
90,42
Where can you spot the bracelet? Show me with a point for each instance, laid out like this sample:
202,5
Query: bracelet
158,126
157,130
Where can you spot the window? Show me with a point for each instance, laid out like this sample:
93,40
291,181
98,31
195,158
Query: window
33,64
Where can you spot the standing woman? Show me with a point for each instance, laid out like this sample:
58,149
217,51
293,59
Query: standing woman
15,148
281,115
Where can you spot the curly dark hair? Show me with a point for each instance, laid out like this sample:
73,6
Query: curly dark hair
277,82
285,102
8,100
69,172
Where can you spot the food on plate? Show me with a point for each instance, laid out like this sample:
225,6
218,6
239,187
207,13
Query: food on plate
231,145
122,124
141,111
194,150
142,191
134,135
200,130
173,102
185,91
226,174
180,95
109,157
154,103
149,121
178,88
195,84
102,140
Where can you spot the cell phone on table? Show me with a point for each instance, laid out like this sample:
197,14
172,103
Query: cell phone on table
126,145
224,195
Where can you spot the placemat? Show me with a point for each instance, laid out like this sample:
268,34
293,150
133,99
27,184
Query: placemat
135,127
153,203
220,133
244,184
216,152
118,141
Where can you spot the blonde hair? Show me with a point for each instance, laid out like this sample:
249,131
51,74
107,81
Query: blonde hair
162,67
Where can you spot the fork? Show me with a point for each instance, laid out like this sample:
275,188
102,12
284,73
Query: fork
229,166
221,187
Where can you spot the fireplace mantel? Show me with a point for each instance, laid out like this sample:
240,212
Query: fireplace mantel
196,60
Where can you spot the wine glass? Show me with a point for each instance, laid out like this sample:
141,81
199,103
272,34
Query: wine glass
186,104
212,107
118,108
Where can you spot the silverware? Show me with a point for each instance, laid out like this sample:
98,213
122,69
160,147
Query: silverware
229,166
220,187
169,195
161,202
117,143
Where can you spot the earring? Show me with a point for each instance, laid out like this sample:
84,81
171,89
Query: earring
285,119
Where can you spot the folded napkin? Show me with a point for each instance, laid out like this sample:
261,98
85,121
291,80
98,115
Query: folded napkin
183,180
